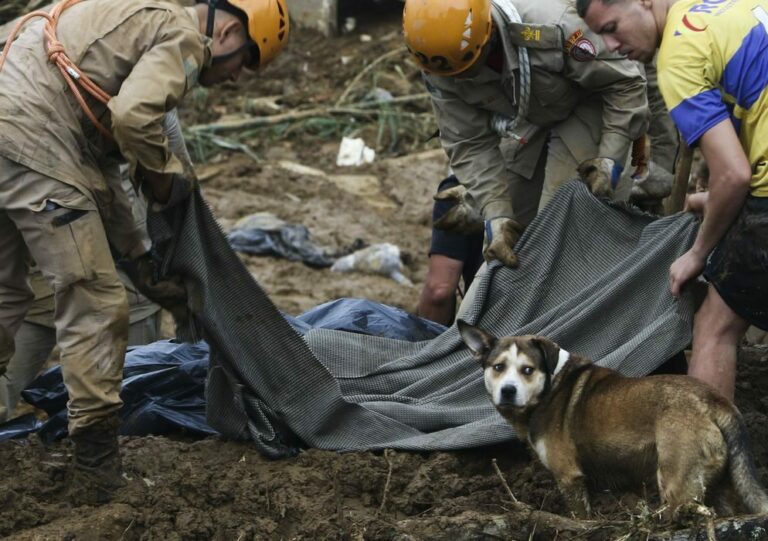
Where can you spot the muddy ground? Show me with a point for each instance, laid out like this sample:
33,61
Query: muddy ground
214,489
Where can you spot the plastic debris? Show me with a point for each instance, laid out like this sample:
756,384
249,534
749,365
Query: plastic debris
383,259
353,152
378,95
266,234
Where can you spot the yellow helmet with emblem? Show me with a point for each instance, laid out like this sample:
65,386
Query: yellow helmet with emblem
446,36
266,21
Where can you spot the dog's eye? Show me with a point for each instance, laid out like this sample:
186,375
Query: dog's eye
498,367
527,370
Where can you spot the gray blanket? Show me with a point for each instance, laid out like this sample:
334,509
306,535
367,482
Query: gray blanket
592,276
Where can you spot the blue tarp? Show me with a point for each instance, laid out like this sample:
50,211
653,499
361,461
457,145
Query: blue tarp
164,382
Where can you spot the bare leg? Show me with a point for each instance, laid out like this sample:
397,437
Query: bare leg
438,296
717,331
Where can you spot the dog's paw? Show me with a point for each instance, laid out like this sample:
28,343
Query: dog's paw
692,512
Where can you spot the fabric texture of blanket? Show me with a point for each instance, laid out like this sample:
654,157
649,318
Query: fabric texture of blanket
593,277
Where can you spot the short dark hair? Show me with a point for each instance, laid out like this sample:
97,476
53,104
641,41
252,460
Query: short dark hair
583,5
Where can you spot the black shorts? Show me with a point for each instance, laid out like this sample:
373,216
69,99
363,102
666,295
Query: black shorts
738,266
465,248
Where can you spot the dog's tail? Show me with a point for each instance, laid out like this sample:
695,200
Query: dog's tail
740,461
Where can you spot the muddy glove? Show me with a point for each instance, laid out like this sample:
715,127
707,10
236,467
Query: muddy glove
166,191
462,218
601,175
654,182
501,235
170,292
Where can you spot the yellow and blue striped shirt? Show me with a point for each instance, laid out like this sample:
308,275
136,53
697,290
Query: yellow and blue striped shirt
713,65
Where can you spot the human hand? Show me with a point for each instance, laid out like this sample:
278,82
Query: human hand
501,235
168,292
462,217
686,267
167,191
654,182
696,203
601,175
641,172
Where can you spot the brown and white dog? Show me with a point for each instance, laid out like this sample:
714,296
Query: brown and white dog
590,426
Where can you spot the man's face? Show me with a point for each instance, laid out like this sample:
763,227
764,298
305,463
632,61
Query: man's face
627,27
230,54
228,70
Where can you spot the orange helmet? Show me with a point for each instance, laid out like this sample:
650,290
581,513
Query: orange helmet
446,36
267,25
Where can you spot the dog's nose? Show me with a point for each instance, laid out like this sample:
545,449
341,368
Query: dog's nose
508,393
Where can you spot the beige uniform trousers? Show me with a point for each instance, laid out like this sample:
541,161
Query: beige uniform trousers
34,344
36,339
64,235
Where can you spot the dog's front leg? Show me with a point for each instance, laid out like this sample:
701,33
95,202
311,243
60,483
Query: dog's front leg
574,489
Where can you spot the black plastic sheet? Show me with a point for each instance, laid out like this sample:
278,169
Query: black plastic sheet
291,241
163,392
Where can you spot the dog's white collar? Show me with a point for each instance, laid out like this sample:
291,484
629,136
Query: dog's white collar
562,358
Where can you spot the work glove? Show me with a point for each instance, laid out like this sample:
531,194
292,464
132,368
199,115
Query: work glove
601,175
501,235
462,217
168,292
652,182
166,191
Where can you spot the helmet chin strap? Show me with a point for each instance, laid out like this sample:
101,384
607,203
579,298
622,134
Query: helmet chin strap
211,17
218,59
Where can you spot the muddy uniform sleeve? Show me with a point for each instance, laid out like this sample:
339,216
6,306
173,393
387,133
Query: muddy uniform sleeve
156,84
619,82
125,227
125,222
473,151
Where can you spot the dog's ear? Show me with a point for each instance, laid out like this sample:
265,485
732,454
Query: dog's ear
479,341
549,350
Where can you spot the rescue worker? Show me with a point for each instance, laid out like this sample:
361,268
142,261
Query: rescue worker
712,74
125,221
523,93
136,61
584,103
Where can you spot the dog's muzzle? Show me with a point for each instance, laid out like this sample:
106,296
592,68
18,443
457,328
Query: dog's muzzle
507,395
